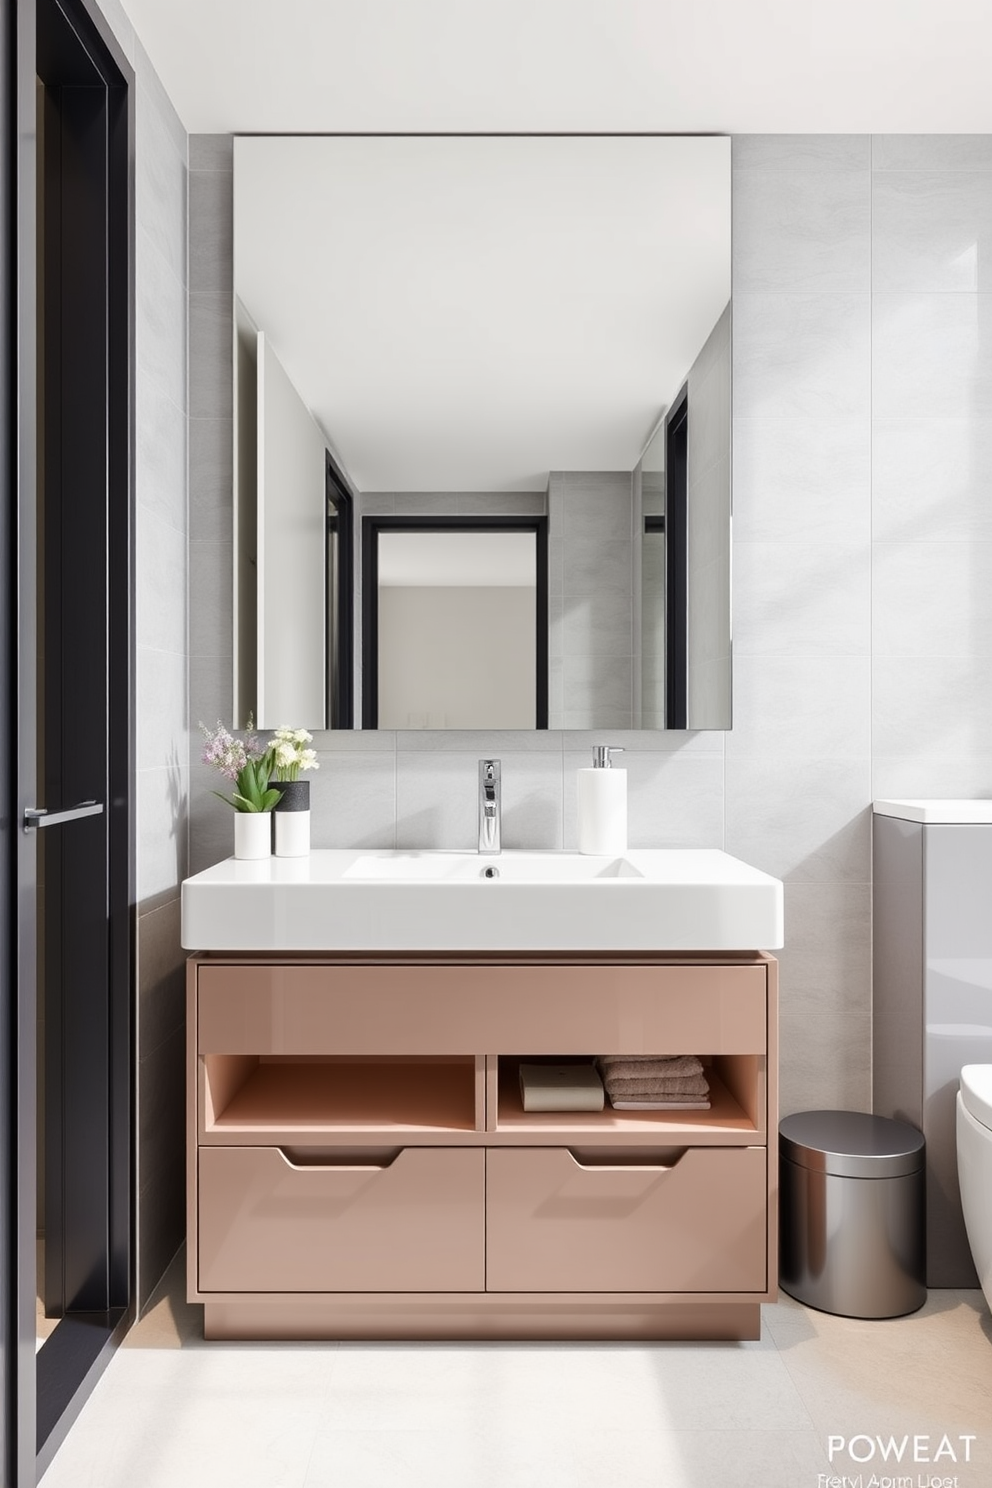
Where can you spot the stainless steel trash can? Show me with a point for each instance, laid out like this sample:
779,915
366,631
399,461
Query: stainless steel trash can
853,1213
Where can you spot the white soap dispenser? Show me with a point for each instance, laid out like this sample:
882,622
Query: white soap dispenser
602,804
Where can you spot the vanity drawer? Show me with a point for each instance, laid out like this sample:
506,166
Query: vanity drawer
448,1008
413,1224
693,1224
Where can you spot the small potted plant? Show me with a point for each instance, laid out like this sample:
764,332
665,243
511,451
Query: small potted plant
248,765
290,758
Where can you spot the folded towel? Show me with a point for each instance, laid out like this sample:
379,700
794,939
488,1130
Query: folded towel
692,1085
646,1104
643,1066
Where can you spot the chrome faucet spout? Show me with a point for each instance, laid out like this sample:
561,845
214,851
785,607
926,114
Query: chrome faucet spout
490,806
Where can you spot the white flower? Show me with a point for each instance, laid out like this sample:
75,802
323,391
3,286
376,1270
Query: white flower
302,737
308,760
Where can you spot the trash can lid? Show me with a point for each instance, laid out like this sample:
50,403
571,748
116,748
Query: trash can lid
851,1144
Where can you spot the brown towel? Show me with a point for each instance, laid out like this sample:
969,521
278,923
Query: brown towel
658,1088
649,1066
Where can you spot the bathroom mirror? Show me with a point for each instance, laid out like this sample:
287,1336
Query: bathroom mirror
476,329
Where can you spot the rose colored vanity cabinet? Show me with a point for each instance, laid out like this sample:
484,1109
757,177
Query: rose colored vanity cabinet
360,1164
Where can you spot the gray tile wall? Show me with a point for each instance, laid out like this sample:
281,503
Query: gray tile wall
162,658
591,555
211,479
798,763
859,666
931,465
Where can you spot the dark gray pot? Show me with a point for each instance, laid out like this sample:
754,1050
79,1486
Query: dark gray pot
295,795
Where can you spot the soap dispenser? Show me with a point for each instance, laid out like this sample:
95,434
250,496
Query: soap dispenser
602,804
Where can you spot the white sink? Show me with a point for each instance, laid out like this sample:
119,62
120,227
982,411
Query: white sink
466,867
658,899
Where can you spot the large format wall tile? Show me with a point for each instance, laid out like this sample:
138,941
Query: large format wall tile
931,479
932,599
804,820
801,355
801,598
211,152
931,230
353,800
937,707
160,454
160,183
906,777
162,830
211,582
162,732
801,152
932,355
161,586
160,319
211,475
933,152
211,354
825,986
803,479
802,230
801,706
211,250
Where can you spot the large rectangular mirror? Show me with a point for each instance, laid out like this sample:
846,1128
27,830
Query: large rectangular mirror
472,333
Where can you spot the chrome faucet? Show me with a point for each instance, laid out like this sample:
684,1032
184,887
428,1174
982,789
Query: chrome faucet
489,806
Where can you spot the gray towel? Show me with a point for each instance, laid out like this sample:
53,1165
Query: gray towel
691,1085
645,1066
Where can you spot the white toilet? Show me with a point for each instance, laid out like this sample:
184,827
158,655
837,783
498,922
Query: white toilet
974,1122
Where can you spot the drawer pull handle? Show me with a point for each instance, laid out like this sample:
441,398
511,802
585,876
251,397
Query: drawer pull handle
291,1158
607,1167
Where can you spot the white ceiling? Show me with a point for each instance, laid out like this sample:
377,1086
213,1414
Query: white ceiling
730,66
468,314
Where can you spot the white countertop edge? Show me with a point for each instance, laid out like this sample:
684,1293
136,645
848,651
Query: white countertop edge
948,813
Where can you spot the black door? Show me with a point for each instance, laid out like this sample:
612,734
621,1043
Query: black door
69,605
676,563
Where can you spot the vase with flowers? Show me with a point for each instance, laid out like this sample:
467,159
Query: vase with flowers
291,757
247,763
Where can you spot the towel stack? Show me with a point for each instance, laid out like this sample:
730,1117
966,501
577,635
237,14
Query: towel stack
655,1082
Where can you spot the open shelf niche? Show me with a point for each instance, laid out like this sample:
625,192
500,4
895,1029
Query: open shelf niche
737,1105
267,1094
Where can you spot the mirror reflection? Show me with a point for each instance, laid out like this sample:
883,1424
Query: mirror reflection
456,624
448,334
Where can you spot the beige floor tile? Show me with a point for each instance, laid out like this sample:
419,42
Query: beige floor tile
172,1411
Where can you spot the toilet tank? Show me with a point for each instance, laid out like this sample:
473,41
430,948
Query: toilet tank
932,991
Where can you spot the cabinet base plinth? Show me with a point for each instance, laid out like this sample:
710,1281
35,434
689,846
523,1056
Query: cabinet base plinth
480,1318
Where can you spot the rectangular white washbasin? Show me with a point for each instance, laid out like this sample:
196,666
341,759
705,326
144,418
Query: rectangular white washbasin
657,899
511,867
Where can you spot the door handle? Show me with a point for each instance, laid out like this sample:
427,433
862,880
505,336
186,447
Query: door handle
37,816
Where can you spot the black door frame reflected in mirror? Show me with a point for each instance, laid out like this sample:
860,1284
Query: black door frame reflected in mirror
340,707
676,562
371,528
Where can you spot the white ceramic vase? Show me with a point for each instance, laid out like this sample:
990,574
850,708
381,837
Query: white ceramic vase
292,834
292,818
253,834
